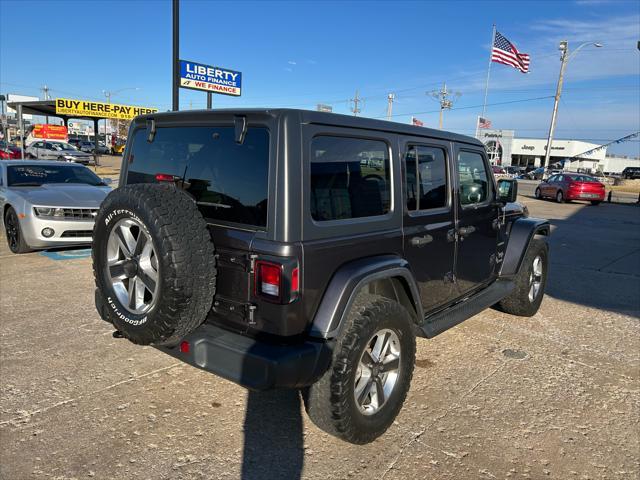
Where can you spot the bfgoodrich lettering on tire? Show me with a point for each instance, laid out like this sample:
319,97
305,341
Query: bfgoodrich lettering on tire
153,262
361,394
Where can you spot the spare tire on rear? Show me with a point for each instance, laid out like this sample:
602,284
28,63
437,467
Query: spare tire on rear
153,262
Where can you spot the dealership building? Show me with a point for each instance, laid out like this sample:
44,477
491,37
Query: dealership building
505,149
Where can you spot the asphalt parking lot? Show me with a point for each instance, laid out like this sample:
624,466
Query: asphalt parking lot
553,396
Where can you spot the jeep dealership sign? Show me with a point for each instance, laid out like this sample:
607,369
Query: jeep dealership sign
197,76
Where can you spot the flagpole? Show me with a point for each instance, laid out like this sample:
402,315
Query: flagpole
486,88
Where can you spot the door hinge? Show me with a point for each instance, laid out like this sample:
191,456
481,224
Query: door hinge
248,262
450,277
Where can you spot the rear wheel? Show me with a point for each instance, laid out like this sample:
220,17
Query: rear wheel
538,193
560,197
361,394
531,281
15,239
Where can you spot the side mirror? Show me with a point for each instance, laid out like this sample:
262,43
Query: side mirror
106,181
507,190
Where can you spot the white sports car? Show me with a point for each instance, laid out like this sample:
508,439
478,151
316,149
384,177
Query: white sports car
49,204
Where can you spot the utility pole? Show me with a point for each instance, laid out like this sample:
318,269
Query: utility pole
390,99
45,91
175,89
209,100
443,97
564,48
356,109
564,59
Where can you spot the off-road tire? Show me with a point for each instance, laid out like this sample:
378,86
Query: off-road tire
20,245
331,403
186,262
518,303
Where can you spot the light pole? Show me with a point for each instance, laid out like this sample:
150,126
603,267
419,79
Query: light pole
564,59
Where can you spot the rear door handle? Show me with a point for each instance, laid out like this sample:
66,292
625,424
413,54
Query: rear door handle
421,241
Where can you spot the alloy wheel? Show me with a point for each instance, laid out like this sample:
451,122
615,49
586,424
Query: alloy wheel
378,371
13,234
535,278
132,266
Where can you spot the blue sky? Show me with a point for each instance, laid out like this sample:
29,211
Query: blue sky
299,54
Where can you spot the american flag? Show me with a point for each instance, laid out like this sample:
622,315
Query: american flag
416,122
484,122
506,53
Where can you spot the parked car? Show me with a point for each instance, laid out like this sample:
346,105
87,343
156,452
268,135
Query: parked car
498,170
9,151
514,170
631,172
62,151
117,148
89,147
536,174
46,204
571,186
279,260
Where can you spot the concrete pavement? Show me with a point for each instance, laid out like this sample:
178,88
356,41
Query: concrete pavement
553,396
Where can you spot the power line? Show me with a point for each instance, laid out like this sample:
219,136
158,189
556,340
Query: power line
474,106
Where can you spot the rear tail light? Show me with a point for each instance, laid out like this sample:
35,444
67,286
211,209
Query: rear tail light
268,280
276,282
165,177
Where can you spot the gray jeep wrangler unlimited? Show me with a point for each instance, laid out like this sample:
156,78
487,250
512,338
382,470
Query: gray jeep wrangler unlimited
308,250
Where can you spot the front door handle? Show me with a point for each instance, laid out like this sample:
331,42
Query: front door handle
421,241
466,231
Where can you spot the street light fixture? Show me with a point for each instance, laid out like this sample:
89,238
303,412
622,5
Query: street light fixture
564,58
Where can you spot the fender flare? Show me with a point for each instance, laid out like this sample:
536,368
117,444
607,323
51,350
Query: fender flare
347,282
522,232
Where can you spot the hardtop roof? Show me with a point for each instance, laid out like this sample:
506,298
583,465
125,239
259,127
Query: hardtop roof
320,118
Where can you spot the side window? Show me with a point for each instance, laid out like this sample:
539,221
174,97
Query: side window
426,178
350,178
473,178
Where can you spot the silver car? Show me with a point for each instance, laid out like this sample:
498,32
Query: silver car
48,204
53,150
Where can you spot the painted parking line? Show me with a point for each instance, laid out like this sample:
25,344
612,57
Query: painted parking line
67,254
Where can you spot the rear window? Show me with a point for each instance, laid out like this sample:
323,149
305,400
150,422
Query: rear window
229,181
582,178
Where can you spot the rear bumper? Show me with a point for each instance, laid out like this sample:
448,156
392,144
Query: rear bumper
251,363
587,196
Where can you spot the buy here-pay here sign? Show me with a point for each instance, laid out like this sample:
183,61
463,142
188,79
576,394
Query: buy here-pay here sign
85,108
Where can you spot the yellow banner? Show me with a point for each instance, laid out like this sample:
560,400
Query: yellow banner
85,108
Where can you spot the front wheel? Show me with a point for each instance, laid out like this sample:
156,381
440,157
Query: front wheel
531,281
560,197
538,194
15,239
361,394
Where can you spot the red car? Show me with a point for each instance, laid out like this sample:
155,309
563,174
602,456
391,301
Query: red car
571,186
9,151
